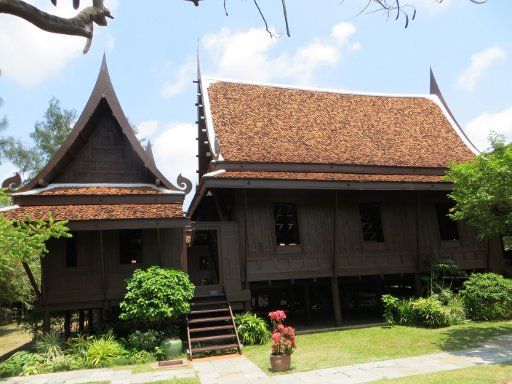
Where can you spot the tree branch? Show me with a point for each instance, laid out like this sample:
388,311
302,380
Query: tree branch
80,25
32,280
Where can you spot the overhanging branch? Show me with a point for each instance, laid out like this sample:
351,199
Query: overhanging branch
80,25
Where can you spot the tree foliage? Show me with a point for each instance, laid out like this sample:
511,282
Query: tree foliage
482,190
156,294
22,244
4,141
47,137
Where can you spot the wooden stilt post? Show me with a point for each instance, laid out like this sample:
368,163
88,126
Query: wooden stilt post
81,321
417,279
90,319
103,278
46,318
307,304
335,291
67,325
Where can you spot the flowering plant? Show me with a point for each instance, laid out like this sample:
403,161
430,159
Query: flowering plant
283,337
277,317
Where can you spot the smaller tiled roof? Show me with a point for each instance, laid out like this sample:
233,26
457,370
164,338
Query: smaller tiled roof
327,176
80,191
96,212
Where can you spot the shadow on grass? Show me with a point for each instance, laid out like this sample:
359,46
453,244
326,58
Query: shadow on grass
469,337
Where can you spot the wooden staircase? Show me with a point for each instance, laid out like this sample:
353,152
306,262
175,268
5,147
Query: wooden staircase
211,326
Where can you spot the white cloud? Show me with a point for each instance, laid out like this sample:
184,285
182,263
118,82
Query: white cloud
175,148
146,129
342,31
479,128
479,63
249,55
30,55
182,78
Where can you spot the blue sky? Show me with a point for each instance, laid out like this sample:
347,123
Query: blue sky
151,56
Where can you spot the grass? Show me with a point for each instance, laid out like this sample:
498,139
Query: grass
478,375
337,348
11,338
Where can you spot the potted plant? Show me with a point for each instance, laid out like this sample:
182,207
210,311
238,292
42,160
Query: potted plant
283,342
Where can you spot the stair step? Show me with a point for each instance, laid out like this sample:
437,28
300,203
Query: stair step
214,328
218,302
209,319
215,348
203,311
212,338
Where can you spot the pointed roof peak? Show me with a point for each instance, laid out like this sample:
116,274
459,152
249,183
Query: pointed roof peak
103,92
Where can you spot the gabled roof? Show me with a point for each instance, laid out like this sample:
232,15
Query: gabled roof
266,123
103,92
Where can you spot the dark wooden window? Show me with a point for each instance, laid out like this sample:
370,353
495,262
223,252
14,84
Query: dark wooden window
286,224
71,252
371,222
447,227
130,246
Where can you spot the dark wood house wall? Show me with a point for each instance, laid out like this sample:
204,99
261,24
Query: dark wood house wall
325,227
106,157
98,280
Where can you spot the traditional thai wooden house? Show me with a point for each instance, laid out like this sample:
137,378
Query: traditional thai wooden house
318,199
123,213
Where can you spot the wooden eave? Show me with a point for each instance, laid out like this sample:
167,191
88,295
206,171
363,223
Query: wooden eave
103,91
321,168
94,225
25,200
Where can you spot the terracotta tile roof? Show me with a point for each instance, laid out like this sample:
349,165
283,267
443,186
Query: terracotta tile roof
100,190
255,123
315,176
98,212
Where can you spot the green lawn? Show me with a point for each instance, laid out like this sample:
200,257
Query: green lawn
479,375
11,338
331,349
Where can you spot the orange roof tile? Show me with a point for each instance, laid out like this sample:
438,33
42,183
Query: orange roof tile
100,190
315,176
97,212
255,123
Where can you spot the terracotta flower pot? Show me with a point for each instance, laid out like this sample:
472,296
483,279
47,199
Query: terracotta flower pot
280,363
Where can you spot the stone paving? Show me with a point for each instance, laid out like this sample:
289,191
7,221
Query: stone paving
495,351
240,370
125,376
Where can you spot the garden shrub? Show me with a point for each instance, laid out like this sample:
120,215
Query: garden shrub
20,364
156,294
103,350
145,340
252,330
487,296
50,345
430,312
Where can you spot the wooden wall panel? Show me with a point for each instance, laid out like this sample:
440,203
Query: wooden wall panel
397,254
84,284
106,156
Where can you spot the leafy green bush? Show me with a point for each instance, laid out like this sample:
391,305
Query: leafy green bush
141,357
50,345
21,364
252,330
398,311
430,312
487,296
145,340
103,350
156,294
